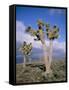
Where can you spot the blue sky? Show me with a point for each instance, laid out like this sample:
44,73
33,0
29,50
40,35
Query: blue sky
29,16
26,16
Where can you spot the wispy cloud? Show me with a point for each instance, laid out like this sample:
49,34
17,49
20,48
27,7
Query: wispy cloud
57,11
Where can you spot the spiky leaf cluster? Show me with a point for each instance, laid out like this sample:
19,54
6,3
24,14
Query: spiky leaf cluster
26,48
30,31
52,33
40,23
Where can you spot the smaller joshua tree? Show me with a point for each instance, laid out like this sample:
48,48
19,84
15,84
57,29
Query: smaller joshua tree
26,50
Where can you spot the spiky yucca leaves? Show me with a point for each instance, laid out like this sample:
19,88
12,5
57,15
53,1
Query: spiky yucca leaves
31,31
40,23
38,33
56,31
47,27
52,34
26,48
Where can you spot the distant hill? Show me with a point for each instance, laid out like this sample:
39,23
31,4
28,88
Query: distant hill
37,54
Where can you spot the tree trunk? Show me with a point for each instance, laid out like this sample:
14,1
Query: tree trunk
50,52
46,54
46,58
24,63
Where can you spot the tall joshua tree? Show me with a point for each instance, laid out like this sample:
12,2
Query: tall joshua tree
26,50
51,35
45,49
40,37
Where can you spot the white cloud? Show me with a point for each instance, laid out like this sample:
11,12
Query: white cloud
59,45
22,36
20,32
20,26
56,11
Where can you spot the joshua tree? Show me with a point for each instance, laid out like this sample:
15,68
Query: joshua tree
40,36
45,49
26,50
51,35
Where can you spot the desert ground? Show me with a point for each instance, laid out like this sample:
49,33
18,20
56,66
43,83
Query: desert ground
33,72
